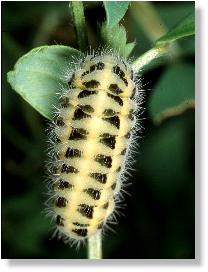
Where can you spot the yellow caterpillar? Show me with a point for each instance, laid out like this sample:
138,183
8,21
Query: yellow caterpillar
93,133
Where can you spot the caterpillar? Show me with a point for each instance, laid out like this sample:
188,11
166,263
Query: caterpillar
94,128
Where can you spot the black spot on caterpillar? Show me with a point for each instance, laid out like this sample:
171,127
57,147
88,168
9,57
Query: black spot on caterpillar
105,206
60,221
86,93
115,89
61,202
91,84
79,114
65,185
70,82
95,194
78,134
68,169
118,169
98,66
86,210
102,178
123,152
115,121
100,226
80,225
60,122
117,70
109,112
71,153
86,108
117,99
80,232
64,102
108,140
104,160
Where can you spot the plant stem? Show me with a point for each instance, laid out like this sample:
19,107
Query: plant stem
148,19
95,246
147,57
174,111
79,23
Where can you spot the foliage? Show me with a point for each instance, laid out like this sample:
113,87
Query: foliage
115,11
115,37
35,70
160,211
185,28
38,84
168,97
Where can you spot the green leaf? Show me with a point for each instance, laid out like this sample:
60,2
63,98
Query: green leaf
174,93
40,74
172,14
115,38
115,10
26,208
185,28
165,157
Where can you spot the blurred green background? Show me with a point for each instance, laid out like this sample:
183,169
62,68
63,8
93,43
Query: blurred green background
159,213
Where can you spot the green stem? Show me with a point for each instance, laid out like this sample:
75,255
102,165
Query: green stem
95,246
153,27
148,20
79,23
147,57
